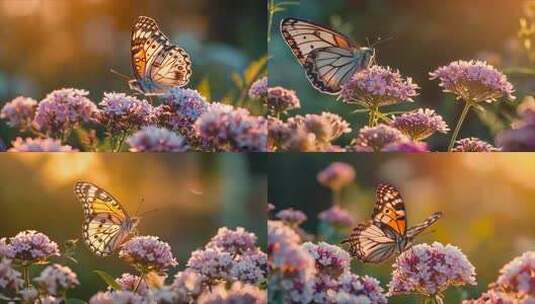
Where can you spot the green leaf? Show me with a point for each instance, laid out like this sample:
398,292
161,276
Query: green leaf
255,69
204,89
75,301
237,80
108,279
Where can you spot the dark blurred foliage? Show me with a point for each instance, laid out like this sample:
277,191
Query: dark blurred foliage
487,201
51,44
187,196
417,37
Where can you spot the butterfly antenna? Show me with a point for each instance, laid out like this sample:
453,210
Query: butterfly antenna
141,201
380,40
150,211
119,74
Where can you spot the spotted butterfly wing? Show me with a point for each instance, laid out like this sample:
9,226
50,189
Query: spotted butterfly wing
371,243
158,65
106,224
390,209
329,58
415,230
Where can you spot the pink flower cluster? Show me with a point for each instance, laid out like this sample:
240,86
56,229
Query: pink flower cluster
378,86
259,89
148,253
292,217
281,100
154,139
19,112
522,135
473,81
55,279
120,112
184,107
420,124
227,128
237,241
337,216
473,144
39,145
9,277
238,293
430,269
29,247
336,176
375,139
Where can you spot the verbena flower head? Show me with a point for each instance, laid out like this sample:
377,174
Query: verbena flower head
232,129
278,134
39,145
360,290
29,294
473,81
250,267
337,216
326,126
9,277
154,139
473,144
238,293
280,234
259,89
129,282
118,297
420,124
407,147
235,241
56,279
430,270
518,276
378,86
185,107
291,216
31,247
337,175
493,296
280,100
47,299
19,112
330,260
213,264
64,109
148,253
522,136
375,139
120,112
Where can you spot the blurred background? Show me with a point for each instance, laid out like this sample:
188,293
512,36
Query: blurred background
51,44
487,200
193,194
419,36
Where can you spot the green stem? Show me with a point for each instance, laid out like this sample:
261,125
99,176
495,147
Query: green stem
141,278
337,195
271,12
372,120
121,141
466,108
26,275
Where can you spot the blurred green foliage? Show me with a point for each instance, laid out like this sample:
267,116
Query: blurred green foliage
487,201
419,36
190,195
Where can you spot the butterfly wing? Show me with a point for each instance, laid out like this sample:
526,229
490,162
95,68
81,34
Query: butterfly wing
415,230
103,229
390,209
157,64
371,243
328,57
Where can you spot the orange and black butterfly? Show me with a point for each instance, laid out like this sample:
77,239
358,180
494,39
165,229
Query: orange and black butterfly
386,233
329,58
158,65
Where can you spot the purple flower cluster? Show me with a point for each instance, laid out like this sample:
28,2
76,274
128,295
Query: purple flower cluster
326,127
148,253
336,176
238,293
522,136
120,112
39,145
473,144
129,282
19,112
378,86
407,147
182,107
259,89
473,81
64,109
232,129
154,139
291,216
337,217
30,247
330,260
430,270
420,124
280,100
230,256
9,277
375,139
56,279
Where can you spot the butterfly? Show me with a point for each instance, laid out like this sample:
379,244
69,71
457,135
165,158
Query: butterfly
329,58
158,65
386,234
106,224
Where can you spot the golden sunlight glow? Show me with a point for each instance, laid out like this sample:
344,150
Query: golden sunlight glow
20,8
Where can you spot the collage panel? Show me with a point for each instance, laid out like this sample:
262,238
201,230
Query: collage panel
129,75
401,76
132,228
400,228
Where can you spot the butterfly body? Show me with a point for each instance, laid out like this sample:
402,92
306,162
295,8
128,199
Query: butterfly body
106,224
329,58
158,65
386,234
